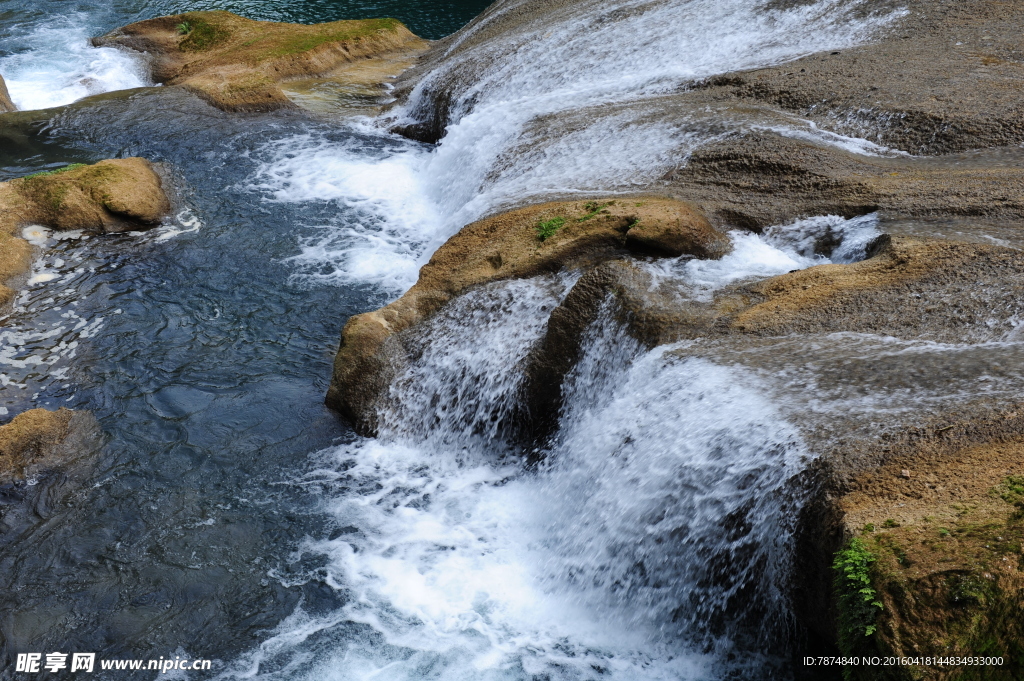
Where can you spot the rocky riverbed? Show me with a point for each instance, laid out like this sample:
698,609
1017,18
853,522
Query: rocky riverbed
929,488
674,333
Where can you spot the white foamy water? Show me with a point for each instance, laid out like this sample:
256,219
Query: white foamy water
660,519
401,203
54,64
388,220
662,496
819,240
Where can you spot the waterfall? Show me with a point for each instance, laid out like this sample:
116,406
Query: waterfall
652,539
564,105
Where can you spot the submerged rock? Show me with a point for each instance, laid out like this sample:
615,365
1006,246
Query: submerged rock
237,64
110,196
38,440
5,98
523,243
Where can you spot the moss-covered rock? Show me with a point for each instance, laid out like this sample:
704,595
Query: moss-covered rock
237,64
110,196
522,243
5,98
943,522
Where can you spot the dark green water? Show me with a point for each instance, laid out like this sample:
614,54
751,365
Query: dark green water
429,19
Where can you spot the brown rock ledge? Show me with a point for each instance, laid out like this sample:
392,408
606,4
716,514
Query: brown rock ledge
509,246
110,196
942,521
237,64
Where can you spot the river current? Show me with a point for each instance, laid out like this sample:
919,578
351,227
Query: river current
229,515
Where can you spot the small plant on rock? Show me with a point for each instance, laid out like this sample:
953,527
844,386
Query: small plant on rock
858,602
184,28
593,208
547,228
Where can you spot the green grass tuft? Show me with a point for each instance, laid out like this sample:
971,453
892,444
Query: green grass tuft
547,228
594,207
184,28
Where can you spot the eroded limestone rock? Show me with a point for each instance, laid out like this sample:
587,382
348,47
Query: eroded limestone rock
237,64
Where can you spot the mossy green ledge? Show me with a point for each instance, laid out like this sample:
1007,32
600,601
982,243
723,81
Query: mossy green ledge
237,64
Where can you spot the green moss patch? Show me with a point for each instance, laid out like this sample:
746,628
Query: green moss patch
45,173
50,189
338,31
204,31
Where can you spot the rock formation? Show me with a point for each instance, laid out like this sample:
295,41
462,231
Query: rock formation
237,64
5,98
110,196
930,495
522,243
39,440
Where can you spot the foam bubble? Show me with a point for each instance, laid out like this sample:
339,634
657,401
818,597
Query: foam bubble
42,277
37,235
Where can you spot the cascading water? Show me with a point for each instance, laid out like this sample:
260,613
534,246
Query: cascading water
659,516
658,522
583,57
53,64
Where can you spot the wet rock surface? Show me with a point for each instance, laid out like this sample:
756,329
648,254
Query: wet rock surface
524,243
39,440
237,64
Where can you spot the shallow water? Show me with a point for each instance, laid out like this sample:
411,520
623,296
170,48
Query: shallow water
230,515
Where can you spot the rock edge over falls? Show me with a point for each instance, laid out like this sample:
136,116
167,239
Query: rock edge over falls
513,245
924,505
6,104
237,64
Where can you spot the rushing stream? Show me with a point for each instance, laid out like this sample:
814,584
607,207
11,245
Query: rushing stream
230,515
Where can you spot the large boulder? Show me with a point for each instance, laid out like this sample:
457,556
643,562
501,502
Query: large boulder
522,243
110,196
237,64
